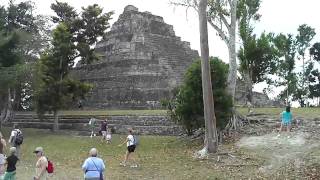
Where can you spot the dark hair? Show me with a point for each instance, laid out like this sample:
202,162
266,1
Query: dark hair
288,108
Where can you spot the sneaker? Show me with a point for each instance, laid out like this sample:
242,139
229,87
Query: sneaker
134,166
123,164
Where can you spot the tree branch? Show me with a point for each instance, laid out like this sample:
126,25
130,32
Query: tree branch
220,32
224,20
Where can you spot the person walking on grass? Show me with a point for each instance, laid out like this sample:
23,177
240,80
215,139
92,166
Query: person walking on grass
103,129
109,136
93,167
41,165
286,119
11,162
131,146
3,145
16,139
92,124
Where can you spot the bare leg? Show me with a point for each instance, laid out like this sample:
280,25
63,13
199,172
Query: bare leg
288,127
281,126
126,157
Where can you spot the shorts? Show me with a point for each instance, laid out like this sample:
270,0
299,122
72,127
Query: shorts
131,148
104,133
286,122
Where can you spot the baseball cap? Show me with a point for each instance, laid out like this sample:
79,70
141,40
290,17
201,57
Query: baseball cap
38,149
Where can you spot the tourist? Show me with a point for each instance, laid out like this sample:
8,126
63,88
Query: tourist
3,145
103,129
92,124
11,165
16,139
131,146
93,167
286,119
109,135
41,164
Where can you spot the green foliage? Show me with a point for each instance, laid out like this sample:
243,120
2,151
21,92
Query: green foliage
304,37
55,90
258,57
86,28
9,44
187,105
315,51
286,51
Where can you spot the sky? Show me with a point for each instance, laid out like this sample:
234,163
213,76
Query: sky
278,16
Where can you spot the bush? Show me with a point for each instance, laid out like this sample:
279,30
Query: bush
186,107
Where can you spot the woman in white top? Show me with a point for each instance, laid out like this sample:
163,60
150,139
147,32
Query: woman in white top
130,149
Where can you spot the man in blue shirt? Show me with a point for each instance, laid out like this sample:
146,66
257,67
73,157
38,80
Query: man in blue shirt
93,166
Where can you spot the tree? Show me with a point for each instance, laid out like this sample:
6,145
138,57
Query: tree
303,39
314,77
34,30
9,71
86,29
73,38
55,89
286,51
222,16
257,55
186,107
211,141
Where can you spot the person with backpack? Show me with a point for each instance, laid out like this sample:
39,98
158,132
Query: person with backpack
16,139
11,162
41,165
93,167
131,141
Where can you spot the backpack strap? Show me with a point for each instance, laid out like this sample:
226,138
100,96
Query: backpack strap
96,166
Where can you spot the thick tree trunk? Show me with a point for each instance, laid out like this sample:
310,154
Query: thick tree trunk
56,121
232,76
7,108
210,144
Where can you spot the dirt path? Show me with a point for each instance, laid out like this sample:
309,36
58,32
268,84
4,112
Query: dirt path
289,154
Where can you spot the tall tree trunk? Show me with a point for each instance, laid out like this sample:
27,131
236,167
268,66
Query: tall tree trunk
249,93
56,121
249,87
232,76
210,144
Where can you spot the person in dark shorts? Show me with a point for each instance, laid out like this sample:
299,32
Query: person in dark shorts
11,162
131,146
103,129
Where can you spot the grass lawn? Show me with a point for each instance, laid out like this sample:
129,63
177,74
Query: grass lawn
158,157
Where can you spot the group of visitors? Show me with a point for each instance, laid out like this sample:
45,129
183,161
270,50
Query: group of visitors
105,130
8,164
94,167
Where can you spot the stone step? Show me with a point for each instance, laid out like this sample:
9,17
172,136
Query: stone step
118,129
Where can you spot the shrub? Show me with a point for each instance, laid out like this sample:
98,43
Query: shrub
186,106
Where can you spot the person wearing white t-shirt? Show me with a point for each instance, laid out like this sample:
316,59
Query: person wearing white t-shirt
130,149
